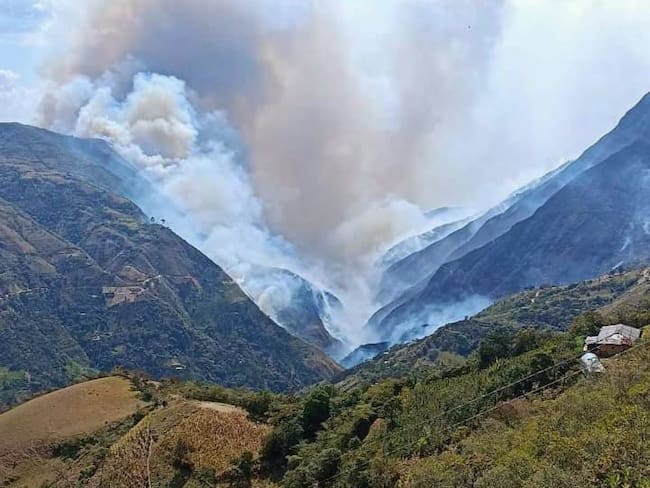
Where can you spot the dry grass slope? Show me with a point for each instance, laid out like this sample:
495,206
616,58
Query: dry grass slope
203,436
78,409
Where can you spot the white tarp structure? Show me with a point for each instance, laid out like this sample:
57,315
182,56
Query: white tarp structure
591,364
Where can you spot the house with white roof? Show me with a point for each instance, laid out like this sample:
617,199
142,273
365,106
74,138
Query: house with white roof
612,339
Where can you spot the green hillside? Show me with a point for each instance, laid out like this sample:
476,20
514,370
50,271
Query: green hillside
550,309
593,434
516,412
529,419
88,283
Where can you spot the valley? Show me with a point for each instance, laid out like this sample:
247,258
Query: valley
88,284
452,410
285,244
575,223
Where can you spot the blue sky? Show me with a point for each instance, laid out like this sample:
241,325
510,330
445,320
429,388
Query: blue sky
19,58
22,23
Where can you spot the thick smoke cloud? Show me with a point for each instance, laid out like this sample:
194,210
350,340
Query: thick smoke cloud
311,135
192,155
350,125
261,123
330,129
195,159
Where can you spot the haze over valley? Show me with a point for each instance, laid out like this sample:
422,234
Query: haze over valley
270,149
335,244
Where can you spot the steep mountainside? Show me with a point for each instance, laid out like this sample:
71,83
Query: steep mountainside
92,160
300,307
95,162
363,353
595,223
87,282
483,236
404,279
550,308
441,222
398,260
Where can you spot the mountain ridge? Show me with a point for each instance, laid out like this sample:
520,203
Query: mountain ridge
633,126
87,282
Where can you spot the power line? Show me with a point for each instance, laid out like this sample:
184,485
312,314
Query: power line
487,410
484,411
497,390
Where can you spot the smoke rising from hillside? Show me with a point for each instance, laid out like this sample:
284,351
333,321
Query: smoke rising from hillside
333,120
283,145
192,155
311,135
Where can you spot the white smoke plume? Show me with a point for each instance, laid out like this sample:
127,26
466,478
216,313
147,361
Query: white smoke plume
191,154
262,125
330,130
196,162
310,135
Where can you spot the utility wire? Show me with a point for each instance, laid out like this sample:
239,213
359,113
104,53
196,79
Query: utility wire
495,391
484,411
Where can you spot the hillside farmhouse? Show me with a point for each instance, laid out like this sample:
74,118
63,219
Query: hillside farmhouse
612,339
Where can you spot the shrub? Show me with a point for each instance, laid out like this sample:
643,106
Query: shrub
316,411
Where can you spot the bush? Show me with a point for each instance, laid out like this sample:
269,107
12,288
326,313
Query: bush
496,345
327,464
316,411
278,445
586,324
245,463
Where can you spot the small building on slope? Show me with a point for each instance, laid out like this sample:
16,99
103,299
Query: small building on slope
612,339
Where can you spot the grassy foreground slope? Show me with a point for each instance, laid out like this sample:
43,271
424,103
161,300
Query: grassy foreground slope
78,409
516,412
113,432
554,429
531,420
594,434
184,444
